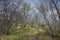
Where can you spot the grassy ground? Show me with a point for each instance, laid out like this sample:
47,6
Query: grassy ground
27,33
26,37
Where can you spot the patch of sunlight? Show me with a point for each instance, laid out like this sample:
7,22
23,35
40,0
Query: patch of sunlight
29,31
18,27
41,30
32,31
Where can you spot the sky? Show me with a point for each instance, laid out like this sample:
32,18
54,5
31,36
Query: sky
33,4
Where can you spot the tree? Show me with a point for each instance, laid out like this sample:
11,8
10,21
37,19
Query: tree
54,24
8,13
13,11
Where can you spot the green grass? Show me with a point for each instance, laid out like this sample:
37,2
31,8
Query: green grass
28,33
17,36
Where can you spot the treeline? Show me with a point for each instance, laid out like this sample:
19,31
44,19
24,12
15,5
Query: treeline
17,12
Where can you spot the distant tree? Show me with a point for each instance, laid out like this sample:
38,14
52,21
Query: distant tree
12,11
8,11
53,25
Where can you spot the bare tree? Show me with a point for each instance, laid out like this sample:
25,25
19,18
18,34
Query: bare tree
54,24
9,9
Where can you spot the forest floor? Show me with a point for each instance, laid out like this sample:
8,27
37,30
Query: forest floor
27,33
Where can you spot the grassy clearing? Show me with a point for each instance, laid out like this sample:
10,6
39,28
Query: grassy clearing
26,37
22,36
27,33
